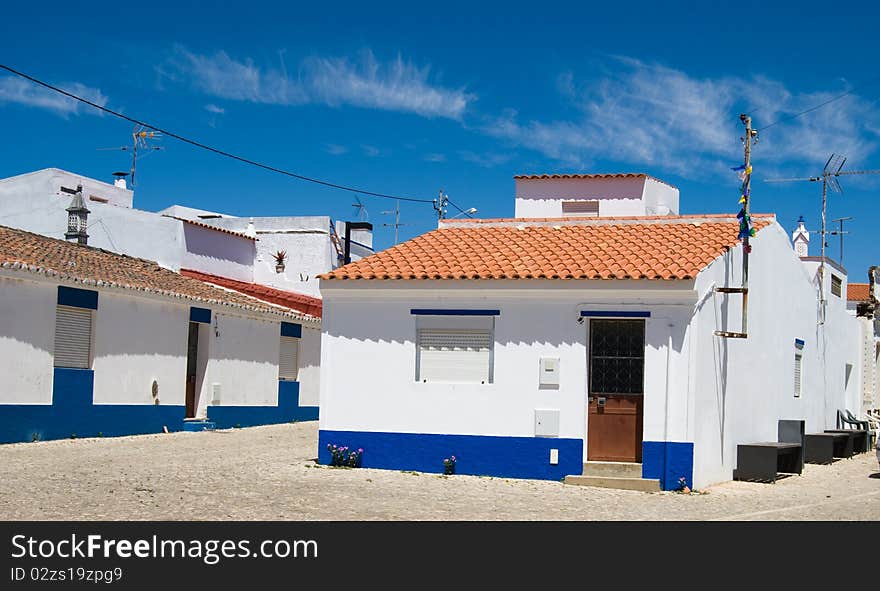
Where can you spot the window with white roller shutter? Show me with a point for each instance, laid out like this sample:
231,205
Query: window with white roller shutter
288,359
73,337
457,355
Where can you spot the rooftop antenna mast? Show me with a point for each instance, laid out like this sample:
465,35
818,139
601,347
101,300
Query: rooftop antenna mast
141,141
840,232
360,209
833,169
396,225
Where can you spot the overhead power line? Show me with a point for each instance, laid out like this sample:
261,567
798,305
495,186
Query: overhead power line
819,106
203,146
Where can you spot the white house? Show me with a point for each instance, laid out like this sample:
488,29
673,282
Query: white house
527,347
94,343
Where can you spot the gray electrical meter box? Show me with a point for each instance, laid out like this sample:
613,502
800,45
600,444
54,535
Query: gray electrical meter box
549,372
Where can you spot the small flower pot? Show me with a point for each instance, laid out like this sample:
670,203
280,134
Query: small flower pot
279,268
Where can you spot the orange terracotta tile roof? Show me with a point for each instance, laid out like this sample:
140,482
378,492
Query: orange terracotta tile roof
610,175
24,251
857,292
288,299
658,247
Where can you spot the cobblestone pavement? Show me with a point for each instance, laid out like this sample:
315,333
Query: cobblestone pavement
267,473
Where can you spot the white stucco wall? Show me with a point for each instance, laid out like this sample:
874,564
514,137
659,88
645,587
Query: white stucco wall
49,181
368,354
218,253
243,359
136,341
309,366
537,198
744,386
27,340
34,203
660,198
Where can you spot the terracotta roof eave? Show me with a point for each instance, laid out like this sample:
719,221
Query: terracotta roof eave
49,272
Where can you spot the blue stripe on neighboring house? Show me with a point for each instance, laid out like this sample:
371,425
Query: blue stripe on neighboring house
618,314
430,312
291,329
668,461
509,457
202,315
73,414
77,298
286,411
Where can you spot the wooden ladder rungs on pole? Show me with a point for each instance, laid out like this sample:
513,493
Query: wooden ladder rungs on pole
726,333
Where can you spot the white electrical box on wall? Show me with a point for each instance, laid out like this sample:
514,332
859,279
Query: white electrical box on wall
549,372
546,422
215,394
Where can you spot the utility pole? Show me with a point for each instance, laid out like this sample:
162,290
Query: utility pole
440,205
745,230
840,233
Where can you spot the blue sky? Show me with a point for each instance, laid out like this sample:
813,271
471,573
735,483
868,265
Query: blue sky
409,98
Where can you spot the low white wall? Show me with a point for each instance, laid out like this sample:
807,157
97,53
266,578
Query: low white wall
27,341
309,366
218,253
136,341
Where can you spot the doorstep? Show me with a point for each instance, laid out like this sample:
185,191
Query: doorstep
619,475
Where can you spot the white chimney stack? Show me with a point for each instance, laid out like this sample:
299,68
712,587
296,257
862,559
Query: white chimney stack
800,239
120,180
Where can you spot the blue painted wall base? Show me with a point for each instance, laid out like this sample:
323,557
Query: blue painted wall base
73,414
668,461
510,457
288,410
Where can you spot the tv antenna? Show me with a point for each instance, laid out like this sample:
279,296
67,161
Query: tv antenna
840,232
833,169
141,145
360,209
396,213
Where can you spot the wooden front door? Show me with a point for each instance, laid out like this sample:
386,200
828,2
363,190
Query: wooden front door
616,387
192,356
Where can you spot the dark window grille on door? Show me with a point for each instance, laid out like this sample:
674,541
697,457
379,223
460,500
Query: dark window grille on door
617,356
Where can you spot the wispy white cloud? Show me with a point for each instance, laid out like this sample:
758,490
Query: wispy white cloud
434,157
212,108
487,159
22,92
371,151
335,149
652,115
396,85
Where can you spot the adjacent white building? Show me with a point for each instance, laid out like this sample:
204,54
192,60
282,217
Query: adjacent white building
93,343
229,252
530,346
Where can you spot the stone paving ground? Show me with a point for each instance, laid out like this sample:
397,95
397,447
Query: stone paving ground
269,473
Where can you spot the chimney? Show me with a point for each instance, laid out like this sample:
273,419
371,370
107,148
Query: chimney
77,217
251,230
120,180
800,239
